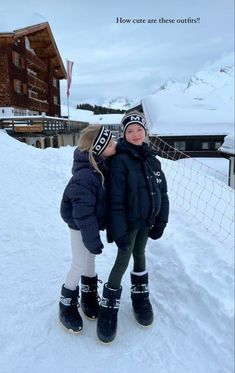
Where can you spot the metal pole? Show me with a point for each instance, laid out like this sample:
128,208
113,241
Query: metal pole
68,105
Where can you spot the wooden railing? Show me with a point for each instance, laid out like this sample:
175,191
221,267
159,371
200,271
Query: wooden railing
37,83
35,61
40,124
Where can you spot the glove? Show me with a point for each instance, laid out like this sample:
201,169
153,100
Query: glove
157,231
123,242
97,250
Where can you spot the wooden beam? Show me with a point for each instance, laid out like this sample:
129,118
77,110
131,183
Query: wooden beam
39,44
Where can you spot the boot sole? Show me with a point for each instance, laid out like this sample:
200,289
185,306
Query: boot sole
70,331
105,343
143,325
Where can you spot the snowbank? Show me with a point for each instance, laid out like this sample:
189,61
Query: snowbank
228,145
191,284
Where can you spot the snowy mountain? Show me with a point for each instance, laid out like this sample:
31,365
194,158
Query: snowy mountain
208,97
216,80
122,103
191,282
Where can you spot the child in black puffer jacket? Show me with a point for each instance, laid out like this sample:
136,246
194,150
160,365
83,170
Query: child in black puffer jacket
83,209
138,208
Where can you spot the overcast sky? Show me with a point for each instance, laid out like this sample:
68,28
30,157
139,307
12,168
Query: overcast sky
128,59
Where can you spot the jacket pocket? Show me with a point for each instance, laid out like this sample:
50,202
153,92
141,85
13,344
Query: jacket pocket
158,198
133,204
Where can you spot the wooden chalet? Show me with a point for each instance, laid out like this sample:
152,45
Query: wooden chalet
30,72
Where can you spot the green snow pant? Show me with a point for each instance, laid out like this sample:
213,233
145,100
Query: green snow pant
138,239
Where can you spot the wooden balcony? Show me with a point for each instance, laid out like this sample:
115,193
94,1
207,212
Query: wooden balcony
37,84
40,124
35,62
35,104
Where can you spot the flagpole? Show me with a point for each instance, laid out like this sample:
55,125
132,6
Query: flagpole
69,79
68,105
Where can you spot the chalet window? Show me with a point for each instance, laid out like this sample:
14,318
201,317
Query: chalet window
17,60
205,145
55,100
180,145
19,111
218,144
20,87
55,82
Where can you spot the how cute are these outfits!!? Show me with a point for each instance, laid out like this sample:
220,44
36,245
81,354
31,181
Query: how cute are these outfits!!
138,208
83,210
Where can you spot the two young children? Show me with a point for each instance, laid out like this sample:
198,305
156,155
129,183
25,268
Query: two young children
134,202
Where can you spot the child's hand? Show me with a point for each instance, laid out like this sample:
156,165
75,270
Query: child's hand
157,231
97,250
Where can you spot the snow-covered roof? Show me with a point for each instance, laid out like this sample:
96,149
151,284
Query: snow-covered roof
184,118
228,145
191,129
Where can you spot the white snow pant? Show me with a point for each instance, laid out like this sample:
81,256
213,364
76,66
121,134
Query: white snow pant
83,262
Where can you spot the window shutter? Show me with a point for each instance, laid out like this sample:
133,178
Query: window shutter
13,57
25,91
15,85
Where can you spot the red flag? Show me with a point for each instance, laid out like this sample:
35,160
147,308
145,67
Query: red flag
69,75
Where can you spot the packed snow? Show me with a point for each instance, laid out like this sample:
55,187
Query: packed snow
228,145
191,283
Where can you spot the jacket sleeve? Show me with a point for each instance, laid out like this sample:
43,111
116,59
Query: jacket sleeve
83,200
117,190
162,217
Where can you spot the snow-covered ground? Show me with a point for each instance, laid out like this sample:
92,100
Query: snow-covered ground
191,284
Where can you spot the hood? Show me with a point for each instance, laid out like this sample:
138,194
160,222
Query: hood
81,160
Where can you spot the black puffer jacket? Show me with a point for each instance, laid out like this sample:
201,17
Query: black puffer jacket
83,201
137,191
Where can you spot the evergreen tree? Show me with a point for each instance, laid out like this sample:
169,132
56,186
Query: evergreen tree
99,109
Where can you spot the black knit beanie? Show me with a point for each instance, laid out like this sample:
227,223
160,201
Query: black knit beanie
133,118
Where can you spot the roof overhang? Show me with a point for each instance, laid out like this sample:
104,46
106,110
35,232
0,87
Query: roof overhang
43,43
